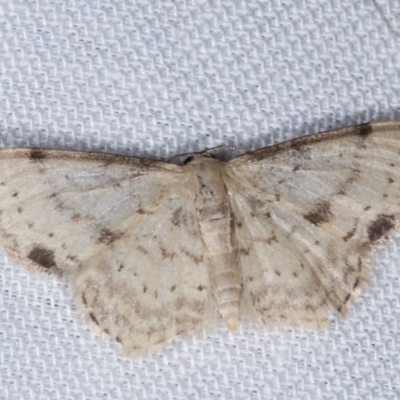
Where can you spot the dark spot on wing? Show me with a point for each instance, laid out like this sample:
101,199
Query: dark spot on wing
363,130
349,234
19,209
177,216
42,256
347,298
144,289
77,217
390,180
37,155
15,194
107,236
359,264
378,228
142,250
162,340
367,208
356,283
277,273
192,256
165,253
320,215
173,288
200,288
244,251
120,267
93,318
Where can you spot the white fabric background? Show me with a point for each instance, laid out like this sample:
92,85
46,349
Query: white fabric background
156,78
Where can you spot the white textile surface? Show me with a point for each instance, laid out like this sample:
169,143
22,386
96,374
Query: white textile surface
156,78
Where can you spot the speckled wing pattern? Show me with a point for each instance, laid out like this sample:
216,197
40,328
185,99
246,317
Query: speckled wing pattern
120,227
155,250
307,212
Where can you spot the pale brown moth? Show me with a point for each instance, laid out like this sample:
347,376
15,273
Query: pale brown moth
154,250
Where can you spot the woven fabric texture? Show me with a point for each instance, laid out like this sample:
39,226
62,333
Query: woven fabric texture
156,78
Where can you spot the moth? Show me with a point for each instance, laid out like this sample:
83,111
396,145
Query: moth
154,250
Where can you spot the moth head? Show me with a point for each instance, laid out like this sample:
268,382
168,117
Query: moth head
221,153
192,157
187,158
